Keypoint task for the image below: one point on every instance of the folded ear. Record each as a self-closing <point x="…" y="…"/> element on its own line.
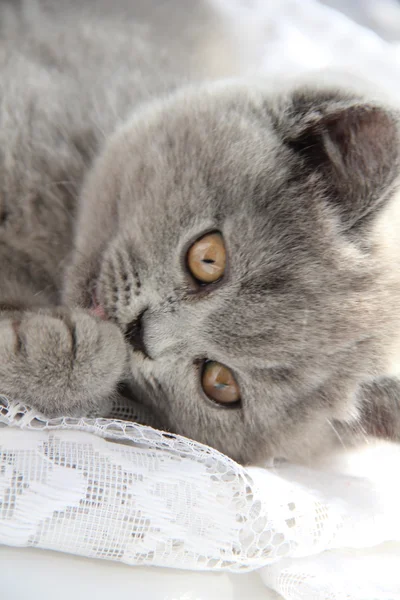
<point x="354" y="145"/>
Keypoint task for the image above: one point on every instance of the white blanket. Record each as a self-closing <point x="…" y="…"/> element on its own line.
<point x="119" y="491"/>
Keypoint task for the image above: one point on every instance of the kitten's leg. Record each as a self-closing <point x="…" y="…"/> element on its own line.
<point x="60" y="361"/>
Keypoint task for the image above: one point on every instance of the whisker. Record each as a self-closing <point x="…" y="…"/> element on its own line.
<point x="336" y="433"/>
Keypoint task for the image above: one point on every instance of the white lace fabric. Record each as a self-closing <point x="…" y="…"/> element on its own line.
<point x="120" y="491"/>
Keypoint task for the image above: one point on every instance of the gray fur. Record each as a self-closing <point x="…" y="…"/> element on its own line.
<point x="115" y="154"/>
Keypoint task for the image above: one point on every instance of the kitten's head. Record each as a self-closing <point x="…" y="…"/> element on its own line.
<point x="292" y="185"/>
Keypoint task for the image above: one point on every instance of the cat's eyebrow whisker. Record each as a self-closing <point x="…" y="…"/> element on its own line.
<point x="42" y="291"/>
<point x="331" y="425"/>
<point x="61" y="182"/>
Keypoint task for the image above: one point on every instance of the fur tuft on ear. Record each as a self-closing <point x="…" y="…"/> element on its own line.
<point x="353" y="144"/>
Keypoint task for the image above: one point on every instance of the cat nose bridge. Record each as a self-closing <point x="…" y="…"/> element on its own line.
<point x="167" y="332"/>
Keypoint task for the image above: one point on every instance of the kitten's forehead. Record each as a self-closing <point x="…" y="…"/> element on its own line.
<point x="204" y="151"/>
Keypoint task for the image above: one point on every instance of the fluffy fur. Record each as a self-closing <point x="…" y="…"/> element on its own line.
<point x="115" y="154"/>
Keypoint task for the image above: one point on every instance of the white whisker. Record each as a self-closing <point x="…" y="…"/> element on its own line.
<point x="336" y="433"/>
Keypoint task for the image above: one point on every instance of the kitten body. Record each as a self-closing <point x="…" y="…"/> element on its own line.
<point x="117" y="151"/>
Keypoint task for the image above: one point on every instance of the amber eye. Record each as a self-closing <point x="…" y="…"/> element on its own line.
<point x="219" y="383"/>
<point x="206" y="258"/>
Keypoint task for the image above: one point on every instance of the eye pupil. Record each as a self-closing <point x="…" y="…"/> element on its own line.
<point x="206" y="258"/>
<point x="219" y="384"/>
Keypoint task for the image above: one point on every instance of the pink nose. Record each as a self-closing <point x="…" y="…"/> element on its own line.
<point x="96" y="309"/>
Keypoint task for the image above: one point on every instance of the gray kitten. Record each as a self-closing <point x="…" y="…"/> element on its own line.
<point x="118" y="160"/>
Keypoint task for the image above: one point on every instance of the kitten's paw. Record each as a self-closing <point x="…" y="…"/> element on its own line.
<point x="61" y="363"/>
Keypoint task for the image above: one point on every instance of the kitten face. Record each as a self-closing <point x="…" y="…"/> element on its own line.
<point x="294" y="317"/>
